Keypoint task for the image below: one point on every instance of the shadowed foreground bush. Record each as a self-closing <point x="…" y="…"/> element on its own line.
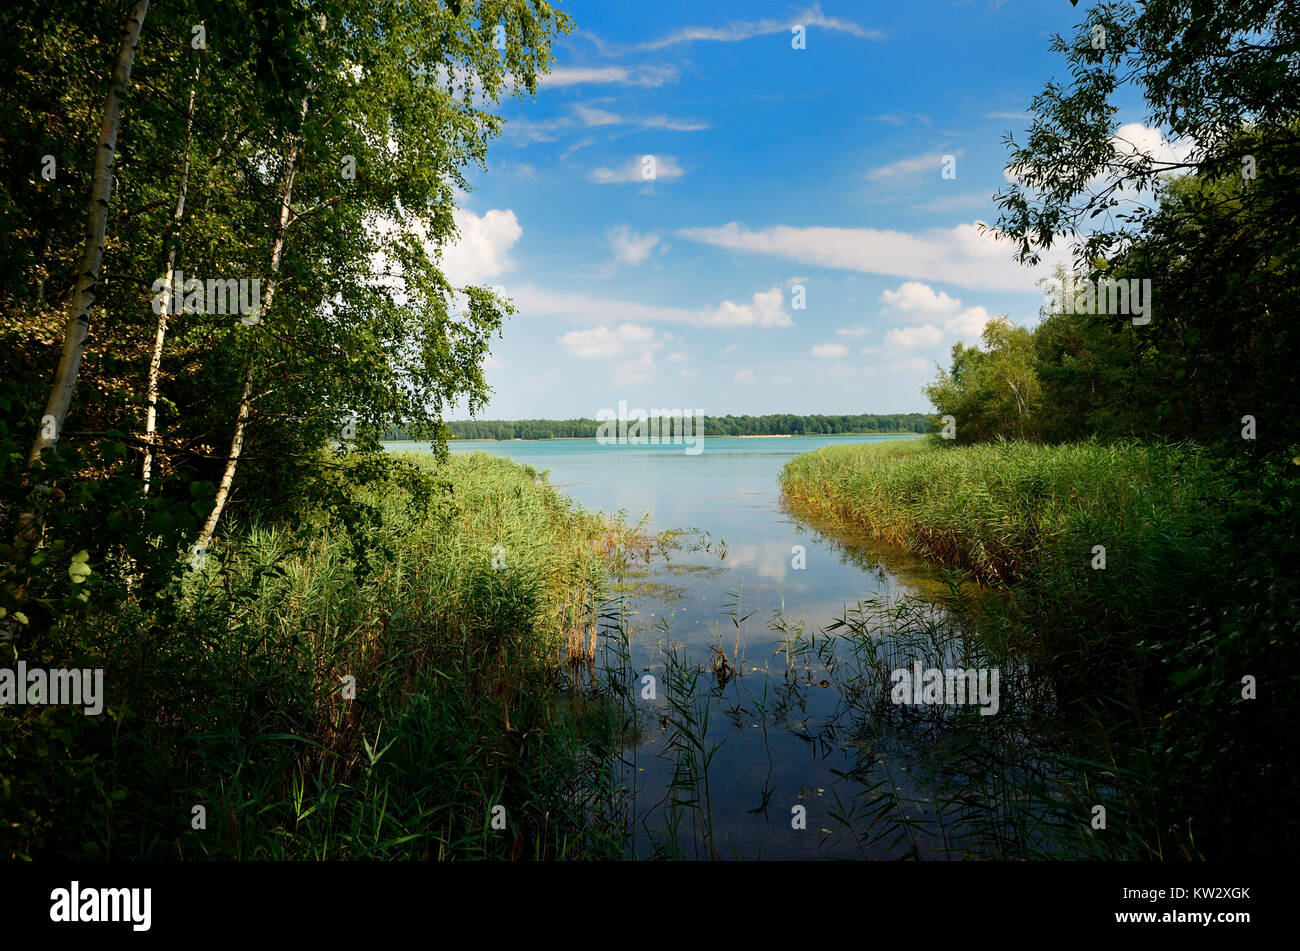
<point x="1146" y="657"/>
<point x="231" y="697"/>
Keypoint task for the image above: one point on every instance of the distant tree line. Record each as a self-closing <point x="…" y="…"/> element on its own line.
<point x="774" y="424"/>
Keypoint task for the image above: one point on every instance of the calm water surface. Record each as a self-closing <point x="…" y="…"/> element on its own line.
<point x="775" y="747"/>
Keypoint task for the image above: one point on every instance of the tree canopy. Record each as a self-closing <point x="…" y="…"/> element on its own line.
<point x="290" y="170"/>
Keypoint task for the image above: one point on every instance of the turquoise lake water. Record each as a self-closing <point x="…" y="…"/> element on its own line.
<point x="781" y="744"/>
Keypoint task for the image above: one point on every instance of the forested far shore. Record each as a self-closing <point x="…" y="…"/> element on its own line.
<point x="773" y="424"/>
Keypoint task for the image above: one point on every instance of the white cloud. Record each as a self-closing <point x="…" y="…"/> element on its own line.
<point x="645" y="76"/>
<point x="743" y="377"/>
<point x="480" y="249"/>
<point x="830" y="351"/>
<point x="739" y="30"/>
<point x="602" y="342"/>
<point x="665" y="168"/>
<point x="911" y="167"/>
<point x="630" y="247"/>
<point x="969" y="324"/>
<point x="853" y="331"/>
<point x="925" y="303"/>
<point x="964" y="202"/>
<point x="580" y="144"/>
<point x="640" y="369"/>
<point x="591" y="116"/>
<point x="1135" y="138"/>
<point x="915" y="297"/>
<point x="528" y="131"/>
<point x="903" y="118"/>
<point x="910" y="365"/>
<point x="766" y="309"/>
<point x="533" y="300"/>
<point x="587" y="116"/>
<point x="909" y="338"/>
<point x="963" y="255"/>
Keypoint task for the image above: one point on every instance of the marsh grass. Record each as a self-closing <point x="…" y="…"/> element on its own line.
<point x="461" y="625"/>
<point x="1027" y="519"/>
<point x="1085" y="652"/>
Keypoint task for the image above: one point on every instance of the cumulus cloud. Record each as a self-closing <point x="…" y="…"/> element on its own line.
<point x="602" y="342"/>
<point x="962" y="255"/>
<point x="969" y="324"/>
<point x="909" y="338"/>
<point x="943" y="316"/>
<point x="480" y="249"/>
<point x="853" y="331"/>
<point x="630" y="247"/>
<point x="1135" y="138"/>
<point x="743" y="377"/>
<point x="1130" y="140"/>
<point x="765" y="309"/>
<point x="915" y="297"/>
<point x="830" y="351"/>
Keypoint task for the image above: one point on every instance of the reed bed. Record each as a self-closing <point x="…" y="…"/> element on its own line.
<point x="1136" y="662"/>
<point x="396" y="689"/>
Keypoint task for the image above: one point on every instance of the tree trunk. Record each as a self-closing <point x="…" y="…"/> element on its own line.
<point x="155" y="361"/>
<point x="246" y="393"/>
<point x="74" y="337"/>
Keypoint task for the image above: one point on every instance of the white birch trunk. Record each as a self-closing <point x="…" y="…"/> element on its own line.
<point x="74" y="336"/>
<point x="160" y="337"/>
<point x="246" y="393"/>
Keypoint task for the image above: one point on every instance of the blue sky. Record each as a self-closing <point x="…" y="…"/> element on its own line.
<point x="775" y="168"/>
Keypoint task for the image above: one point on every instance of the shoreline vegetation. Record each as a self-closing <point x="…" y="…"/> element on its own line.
<point x="459" y="439"/>
<point x="1113" y="574"/>
<point x="775" y="424"/>
<point x="328" y="693"/>
<point x="316" y="648"/>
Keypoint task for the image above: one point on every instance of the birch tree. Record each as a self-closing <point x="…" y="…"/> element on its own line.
<point x="74" y="340"/>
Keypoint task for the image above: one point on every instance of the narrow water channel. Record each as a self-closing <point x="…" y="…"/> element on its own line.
<point x="748" y="575"/>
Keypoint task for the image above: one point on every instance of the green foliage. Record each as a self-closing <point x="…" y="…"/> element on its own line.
<point x="1146" y="656"/>
<point x="363" y="325"/>
<point x="1215" y="232"/>
<point x="776" y="424"/>
<point x="991" y="391"/>
<point x="232" y="700"/>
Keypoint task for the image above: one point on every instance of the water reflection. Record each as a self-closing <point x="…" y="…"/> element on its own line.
<point x="731" y="628"/>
